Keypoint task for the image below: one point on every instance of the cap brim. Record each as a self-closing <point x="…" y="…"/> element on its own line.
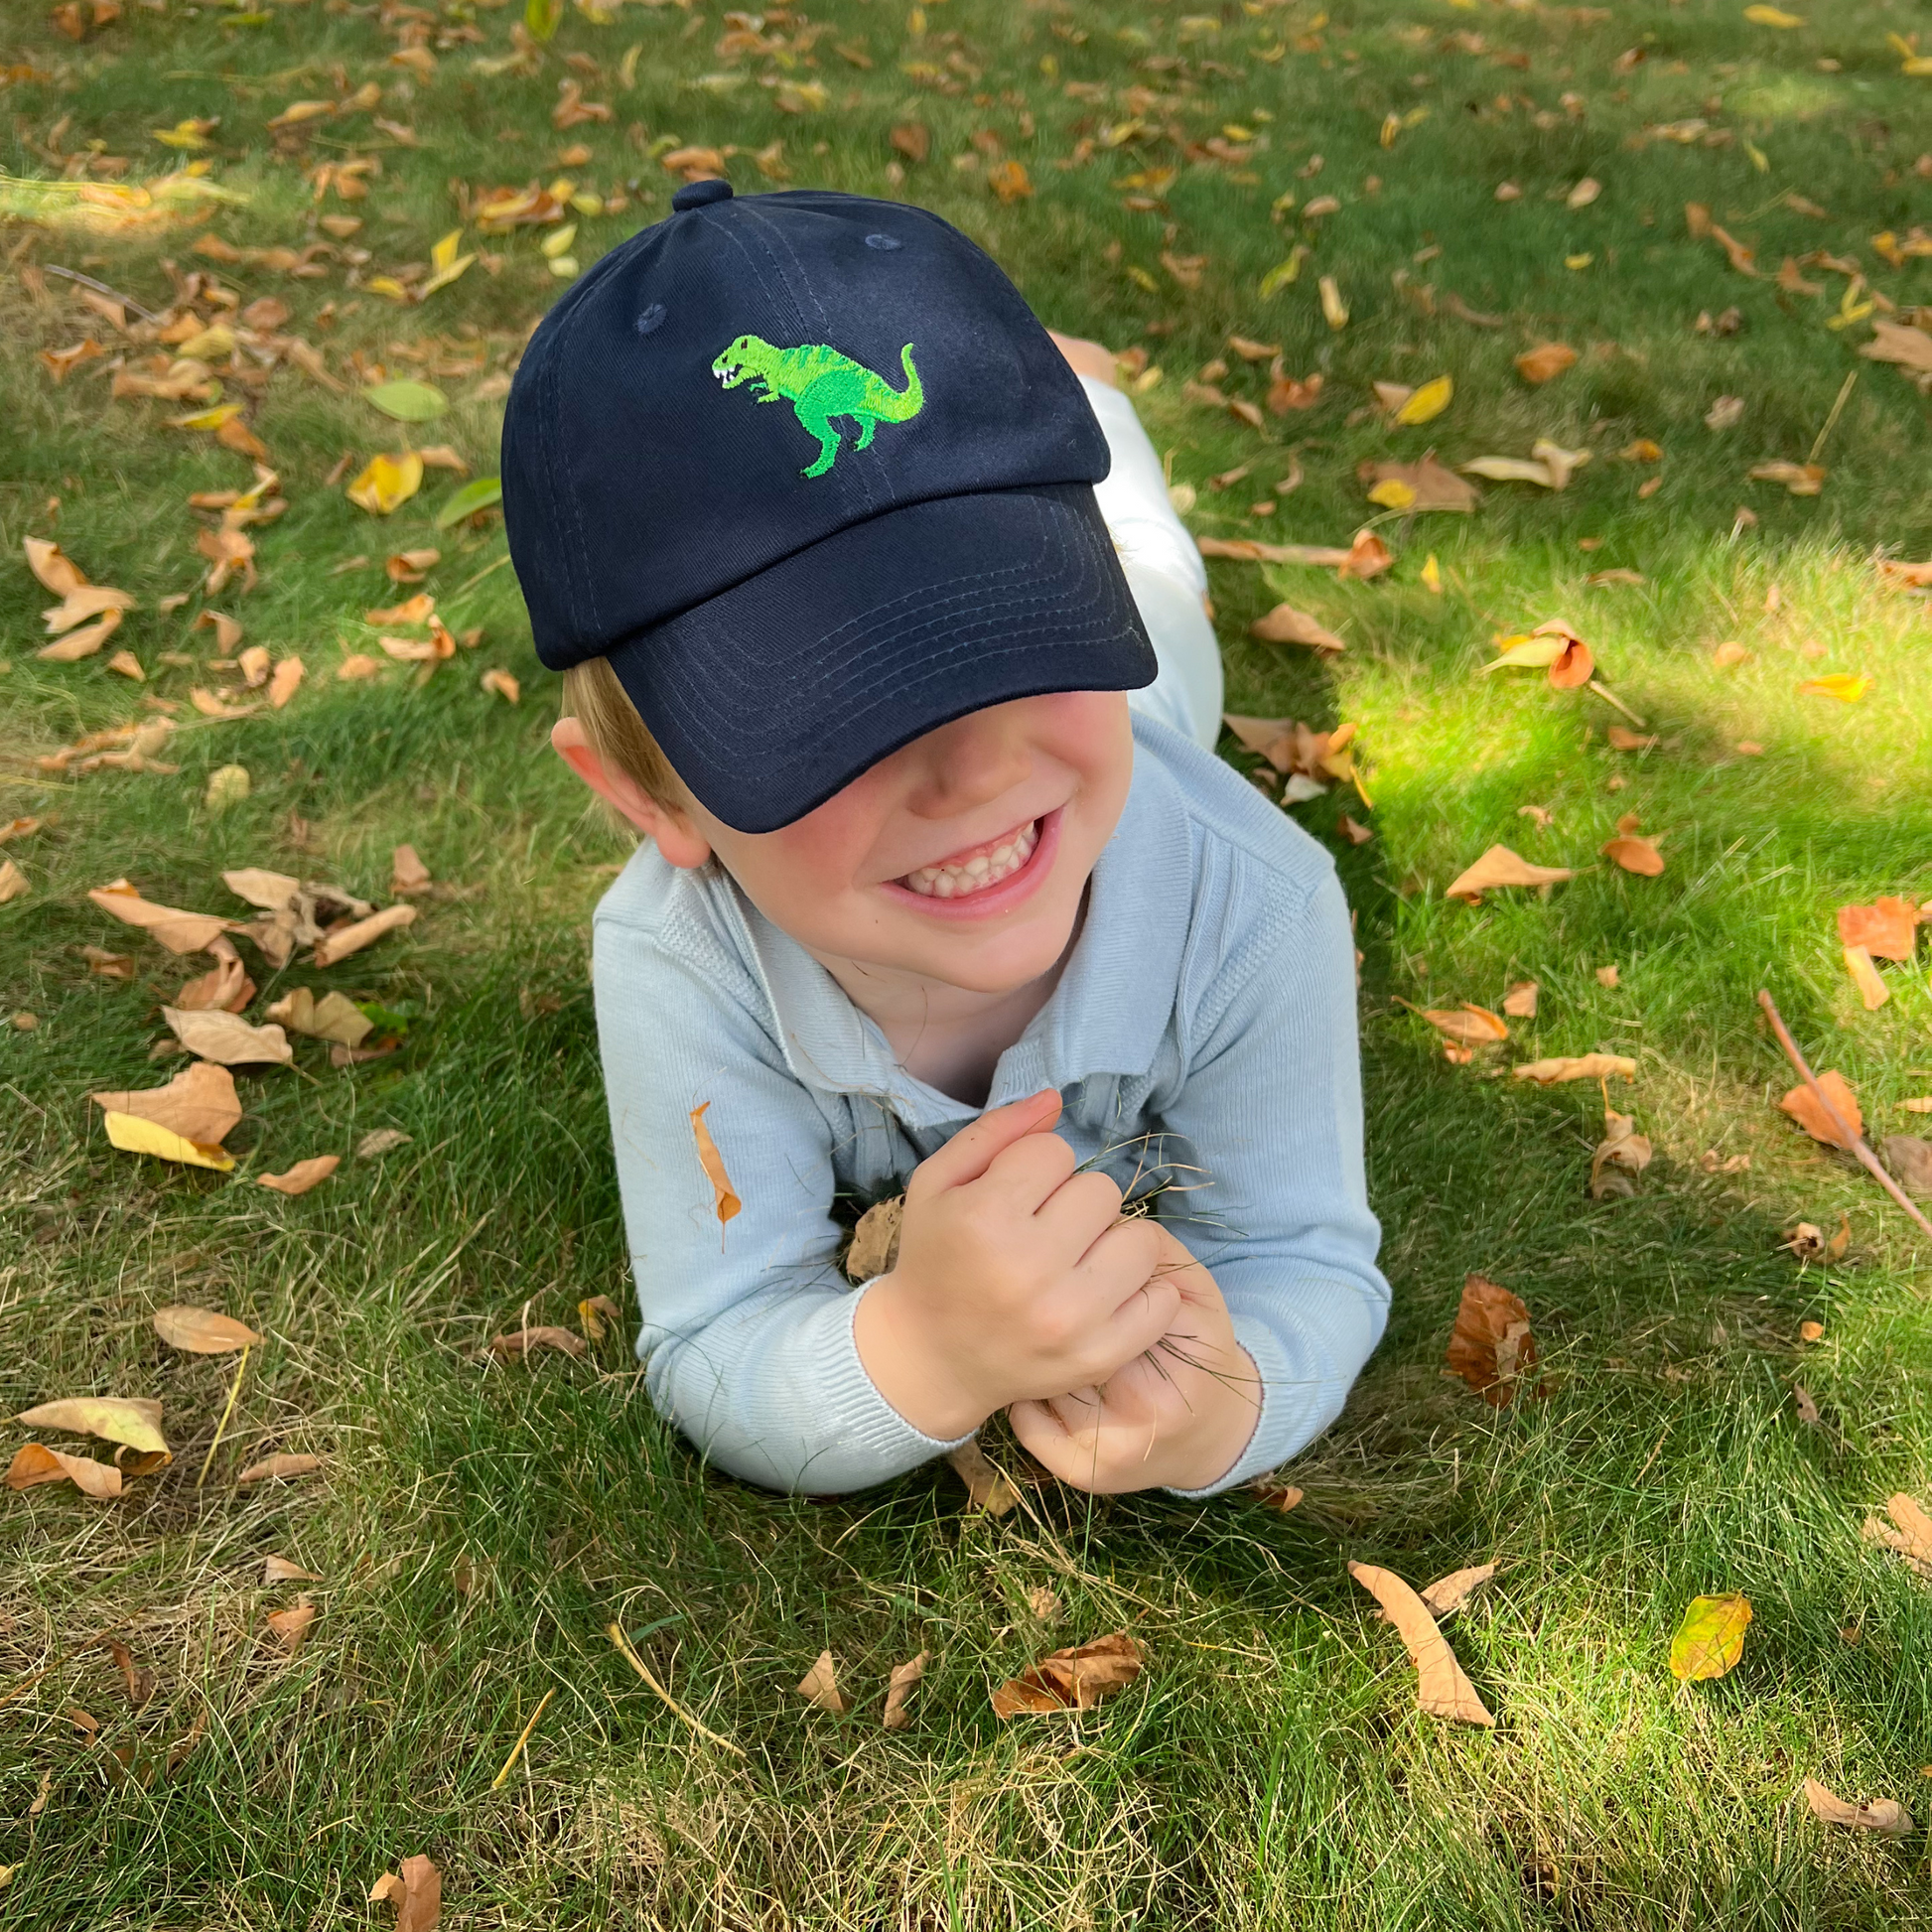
<point x="774" y="695"/>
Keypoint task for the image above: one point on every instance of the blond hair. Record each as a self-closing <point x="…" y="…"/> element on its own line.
<point x="619" y="738"/>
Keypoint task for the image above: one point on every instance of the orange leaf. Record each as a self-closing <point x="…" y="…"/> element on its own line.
<point x="1285" y="625"/>
<point x="1499" y="865"/>
<point x="1803" y="1106"/>
<point x="713" y="1163"/>
<point x="1491" y="1345"/>
<point x="303" y="1175"/>
<point x="1441" y="1689"/>
<point x="34" y="1463"/>
<point x="1545" y="361"/>
<point x="1887" y="927"/>
<point x="1076" y="1679"/>
<point x="1635" y="855"/>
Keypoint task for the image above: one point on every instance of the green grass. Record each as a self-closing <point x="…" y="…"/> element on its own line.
<point x="478" y="1526"/>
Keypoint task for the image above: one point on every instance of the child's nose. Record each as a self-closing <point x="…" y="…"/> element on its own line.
<point x="970" y="764"/>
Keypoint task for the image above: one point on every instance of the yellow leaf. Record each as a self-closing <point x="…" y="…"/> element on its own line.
<point x="132" y="1134"/>
<point x="387" y="285"/>
<point x="713" y="1163"/>
<point x="1283" y="273"/>
<point x="1333" y="307"/>
<point x="1432" y="575"/>
<point x="113" y="1419"/>
<point x="1772" y="17"/>
<point x="1840" y="685"/>
<point x="1428" y="403"/>
<point x="1393" y="494"/>
<point x="1710" y="1637"/>
<point x="388" y="483"/>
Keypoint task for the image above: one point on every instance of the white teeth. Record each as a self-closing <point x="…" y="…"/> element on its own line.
<point x="975" y="875"/>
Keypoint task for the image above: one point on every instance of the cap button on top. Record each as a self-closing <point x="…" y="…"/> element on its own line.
<point x="700" y="194"/>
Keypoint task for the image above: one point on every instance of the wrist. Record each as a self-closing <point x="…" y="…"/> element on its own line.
<point x="910" y="1367"/>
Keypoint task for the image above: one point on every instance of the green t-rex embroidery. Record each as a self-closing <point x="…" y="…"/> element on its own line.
<point x="821" y="384"/>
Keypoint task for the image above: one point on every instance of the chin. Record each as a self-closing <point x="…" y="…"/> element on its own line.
<point x="1000" y="962"/>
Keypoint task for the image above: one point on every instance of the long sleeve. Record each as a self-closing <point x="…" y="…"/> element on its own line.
<point x="748" y="1322"/>
<point x="1272" y="1108"/>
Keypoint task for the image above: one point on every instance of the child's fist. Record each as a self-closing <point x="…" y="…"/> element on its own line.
<point x="1177" y="1416"/>
<point x="1016" y="1279"/>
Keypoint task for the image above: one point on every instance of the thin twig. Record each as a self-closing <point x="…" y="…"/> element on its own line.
<point x="1851" y="1141"/>
<point x="100" y="288"/>
<point x="1831" y="422"/>
<point x="1608" y="696"/>
<point x="516" y="1749"/>
<point x="235" y="1389"/>
<point x="614" y="1631"/>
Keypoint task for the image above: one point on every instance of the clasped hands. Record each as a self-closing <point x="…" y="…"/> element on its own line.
<point x="1020" y="1285"/>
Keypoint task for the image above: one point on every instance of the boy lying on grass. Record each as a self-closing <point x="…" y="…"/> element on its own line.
<point x="851" y="576"/>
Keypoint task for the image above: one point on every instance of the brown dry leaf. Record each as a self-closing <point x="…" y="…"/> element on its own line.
<point x="521" y="1343"/>
<point x="384" y="1140"/>
<point x="1607" y="976"/>
<point x="986" y="1487"/>
<point x="1499" y="866"/>
<point x="598" y="1315"/>
<point x="200" y="1104"/>
<point x="1910" y="1160"/>
<point x="820" y="1686"/>
<point x="1886" y="928"/>
<point x="1442" y="1690"/>
<point x="1800" y="478"/>
<point x="1285" y="625"/>
<point x="339" y="941"/>
<point x="1276" y="1494"/>
<point x="34" y="1463"/>
<point x="1010" y="181"/>
<point x="1076" y="1679"/>
<point x="1545" y="363"/>
<point x="726" y="1201"/>
<point x="130" y="1421"/>
<point x="500" y="683"/>
<point x="333" y="1016"/>
<point x="57" y="571"/>
<point x="303" y="1175"/>
<point x="1622" y="1148"/>
<point x="418" y="1895"/>
<point x="1490" y="1346"/>
<point x="1468" y="1025"/>
<point x="291" y="1626"/>
<point x="1883" y="1815"/>
<point x="179" y="931"/>
<point x="80" y="643"/>
<point x="1803" y="1107"/>
<point x="13" y="882"/>
<point x="1449" y="1593"/>
<point x="20" y="828"/>
<point x="1621" y="737"/>
<point x="1873" y="990"/>
<point x="282" y="682"/>
<point x="899" y="1686"/>
<point x="875" y="1241"/>
<point x="1891" y="342"/>
<point x="1429" y="484"/>
<point x="1635" y="855"/>
<point x="407" y="872"/>
<point x="109" y="965"/>
<point x="201" y="1332"/>
<point x="280" y="1469"/>
<point x="1584" y="1066"/>
<point x="279" y="1570"/>
<point x="226" y="986"/>
<point x="1519" y="1003"/>
<point x="912" y="139"/>
<point x="226" y="1038"/>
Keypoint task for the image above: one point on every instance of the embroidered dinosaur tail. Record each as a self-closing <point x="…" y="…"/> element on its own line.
<point x="901" y="405"/>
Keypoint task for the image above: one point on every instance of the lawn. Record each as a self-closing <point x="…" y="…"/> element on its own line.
<point x="476" y="1522"/>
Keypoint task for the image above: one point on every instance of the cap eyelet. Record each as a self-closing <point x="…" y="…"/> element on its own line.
<point x="883" y="241"/>
<point x="652" y="318"/>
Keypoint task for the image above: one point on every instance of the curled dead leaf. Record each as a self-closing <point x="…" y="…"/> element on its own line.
<point x="1441" y="1688"/>
<point x="1449" y="1593"/>
<point x="1075" y="1679"/>
<point x="1499" y="866"/>
<point x="875" y="1241"/>
<point x="280" y="1469"/>
<point x="1285" y="625"/>
<point x="986" y="1486"/>
<point x="291" y="1626"/>
<point x="726" y="1201"/>
<point x="1490" y="1347"/>
<point x="1815" y="1116"/>
<point x="34" y="1463"/>
<point x="1634" y="853"/>
<point x="521" y="1343"/>
<point x="899" y="1686"/>
<point x="303" y="1175"/>
<point x="202" y="1332"/>
<point x="213" y="1034"/>
<point x="200" y="1104"/>
<point x="1624" y="1149"/>
<point x="1887" y="927"/>
<point x="1883" y="1815"/>
<point x="1583" y="1067"/>
<point x="820" y="1686"/>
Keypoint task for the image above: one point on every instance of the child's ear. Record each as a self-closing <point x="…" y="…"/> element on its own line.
<point x="681" y="843"/>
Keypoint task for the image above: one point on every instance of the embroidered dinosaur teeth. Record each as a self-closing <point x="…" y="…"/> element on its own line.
<point x="985" y="866"/>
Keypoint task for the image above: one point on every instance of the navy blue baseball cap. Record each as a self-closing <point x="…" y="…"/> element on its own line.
<point x="809" y="473"/>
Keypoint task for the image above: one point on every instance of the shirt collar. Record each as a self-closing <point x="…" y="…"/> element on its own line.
<point x="1107" y="1016"/>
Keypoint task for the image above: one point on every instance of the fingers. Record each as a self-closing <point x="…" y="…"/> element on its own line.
<point x="1080" y="1207"/>
<point x="1030" y="1171"/>
<point x="970" y="1152"/>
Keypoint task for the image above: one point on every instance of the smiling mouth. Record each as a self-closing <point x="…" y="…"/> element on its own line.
<point x="978" y="869"/>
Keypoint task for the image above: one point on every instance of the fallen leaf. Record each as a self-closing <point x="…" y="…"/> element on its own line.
<point x="1545" y="363"/>
<point x="1806" y="1405"/>
<point x="386" y="484"/>
<point x="1710" y="1637"/>
<point x="1450" y="1593"/>
<point x="1891" y="342"/>
<point x="1810" y="1331"/>
<point x="303" y="1175"/>
<point x="1519" y="1003"/>
<point x="1424" y="404"/>
<point x="1441" y="1689"/>
<point x="1886" y="928"/>
<point x="1426" y="486"/>
<point x="179" y="931"/>
<point x="726" y="1202"/>
<point x="1622" y="1148"/>
<point x="228" y="786"/>
<point x="875" y="1241"/>
<point x="1840" y="685"/>
<point x="1873" y="990"/>
<point x="1285" y="625"/>
<point x="501" y="684"/>
<point x="133" y="1134"/>
<point x="279" y="1570"/>
<point x="406" y="401"/>
<point x="134" y="1422"/>
<point x="13" y="882"/>
<point x="282" y="682"/>
<point x="1800" y="478"/>
<point x="820" y="1686"/>
<point x="57" y="571"/>
<point x="1802" y="1104"/>
<point x="986" y="1487"/>
<point x="1076" y="1679"/>
<point x="1490" y="1346"/>
<point x="1584" y="1066"/>
<point x="224" y="986"/>
<point x="419" y="1904"/>
<point x="226" y="1038"/>
<point x="1622" y="739"/>
<point x="80" y="643"/>
<point x="1910" y="1160"/>
<point x="1277" y="1495"/>
<point x="1766" y="16"/>
<point x="523" y="1342"/>
<point x="1726" y="413"/>
<point x="1607" y="976"/>
<point x="598" y="1315"/>
<point x="291" y="1626"/>
<point x="280" y="1469"/>
<point x="339" y="941"/>
<point x="109" y="965"/>
<point x="34" y="1463"/>
<point x="384" y="1140"/>
<point x="1635" y="855"/>
<point x="202" y="1332"/>
<point x="899" y="1686"/>
<point x="200" y="1104"/>
<point x="1883" y="1815"/>
<point x="333" y="1016"/>
<point x="1334" y="311"/>
<point x="1469" y="1026"/>
<point x="1499" y="866"/>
